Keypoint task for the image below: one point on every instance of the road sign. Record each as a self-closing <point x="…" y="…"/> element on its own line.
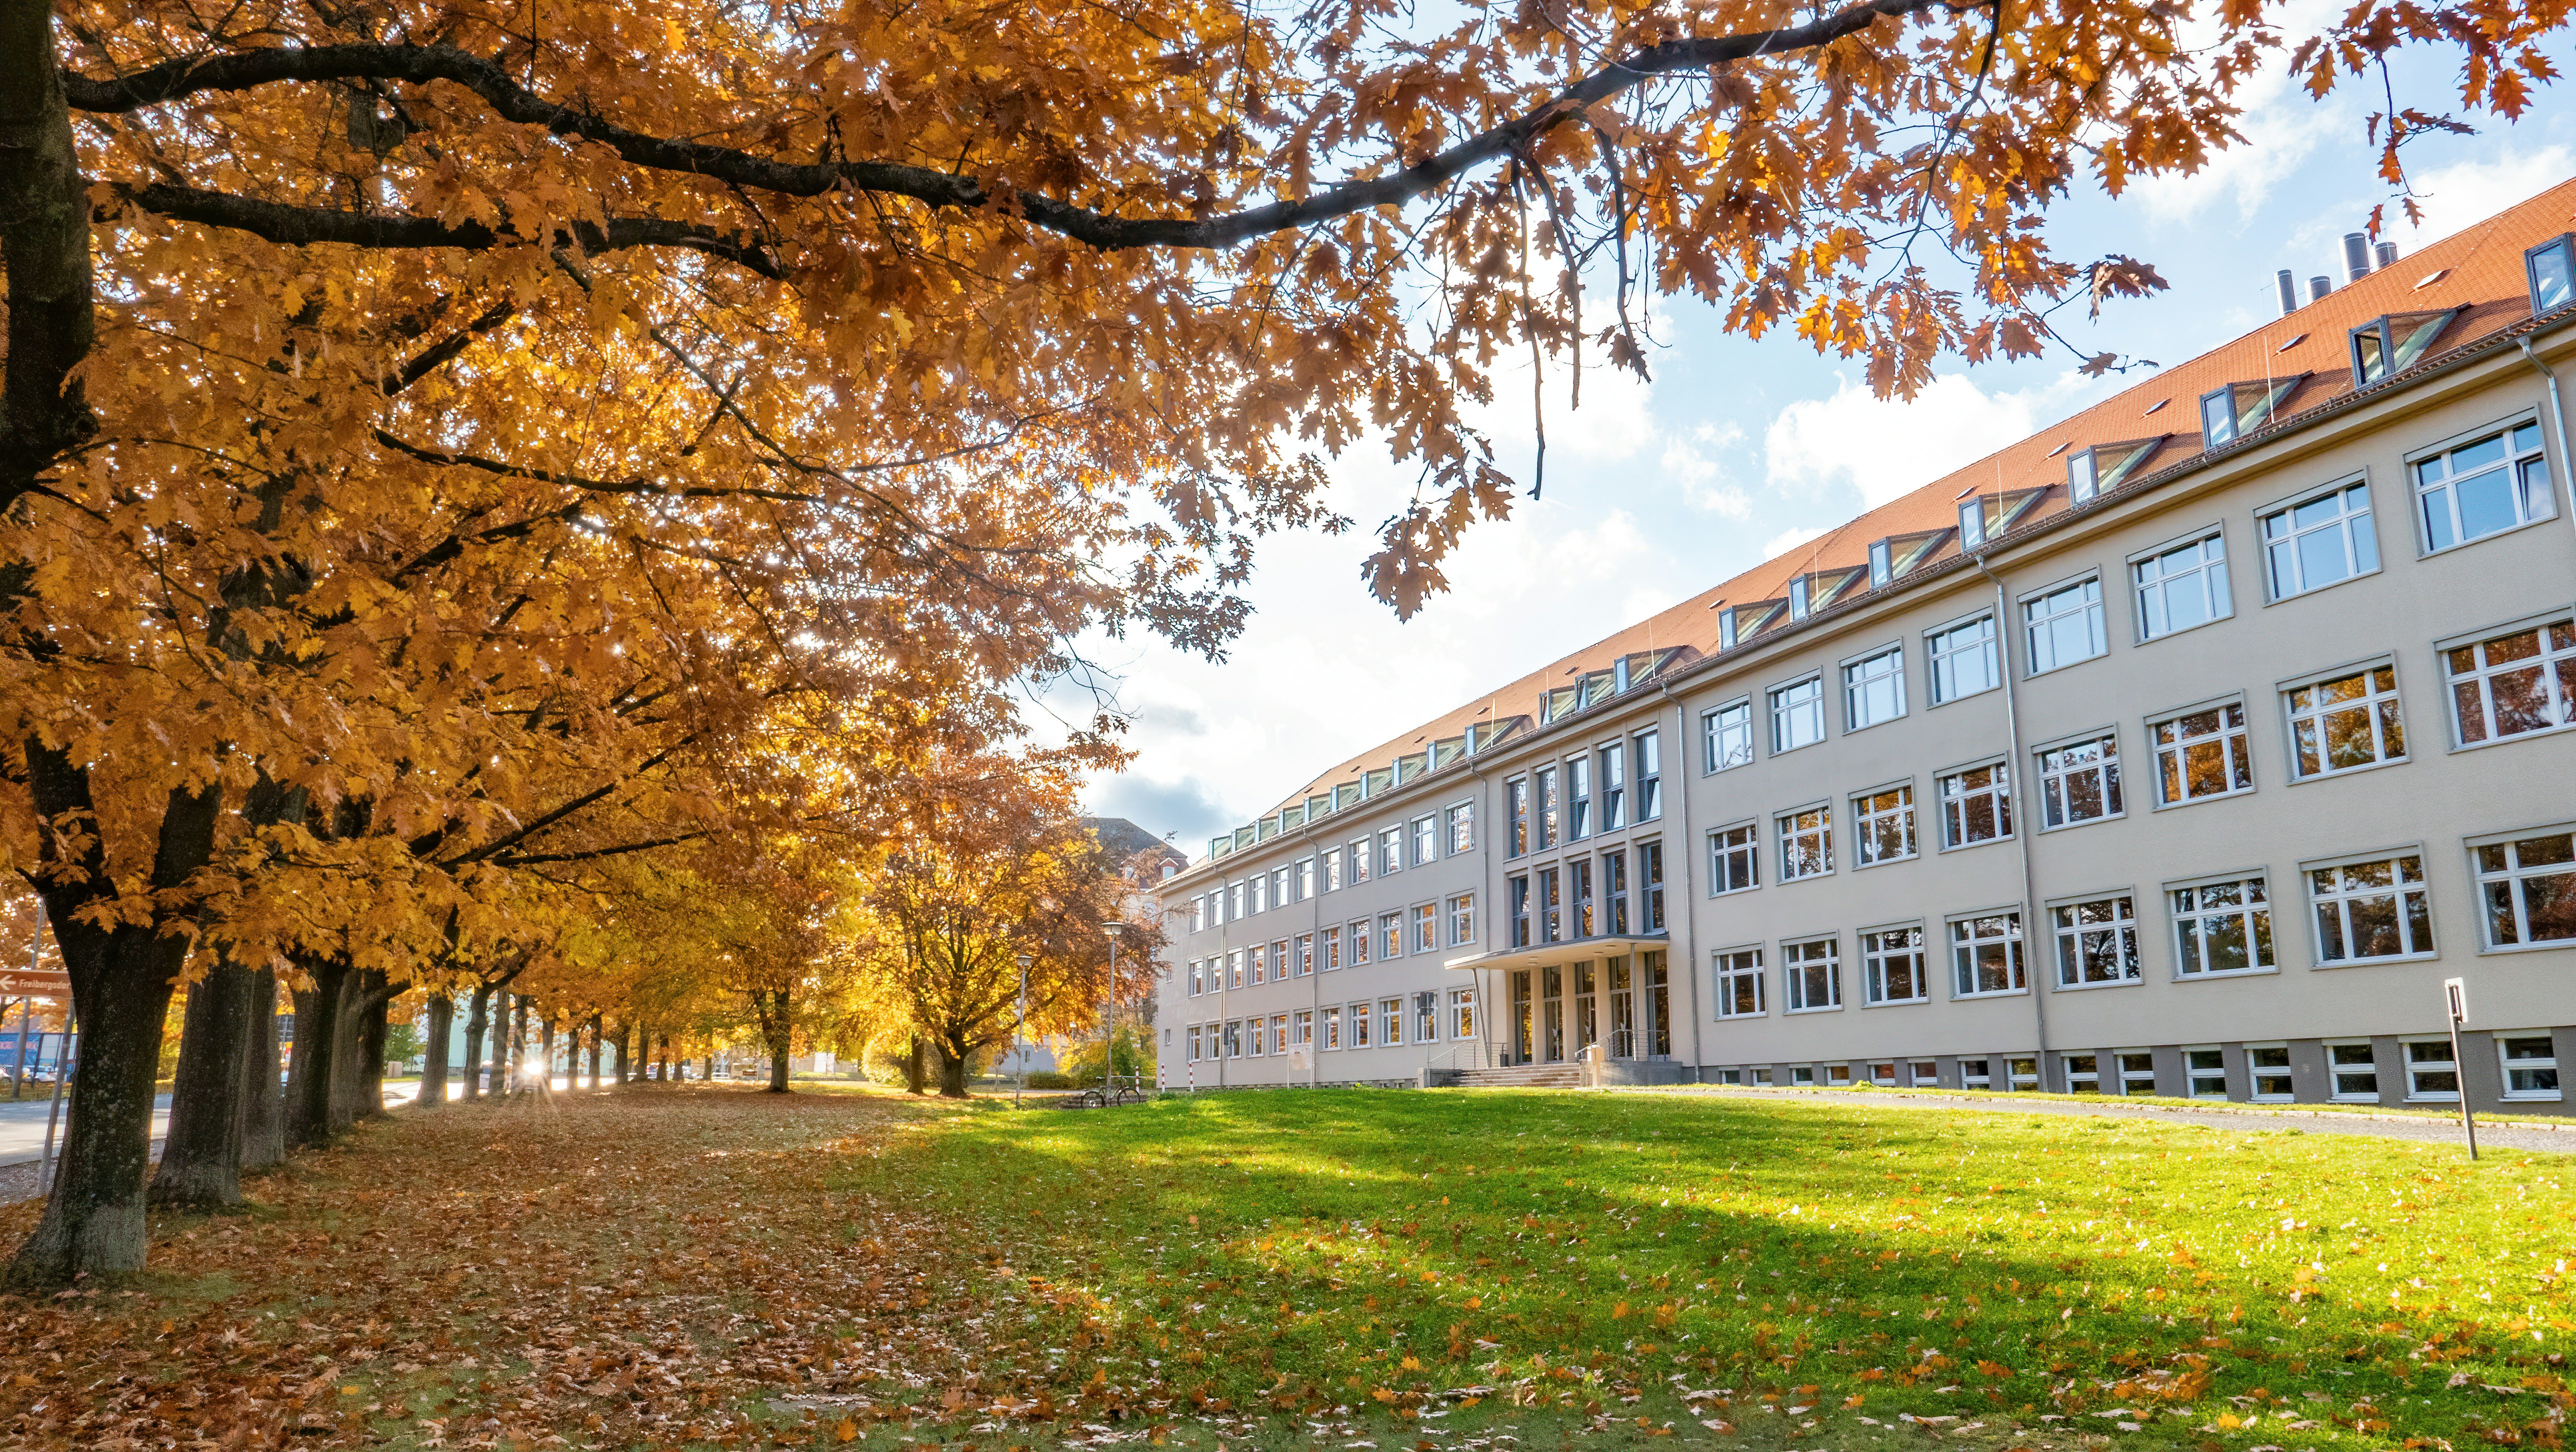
<point x="2455" y="996"/>
<point x="36" y="985"/>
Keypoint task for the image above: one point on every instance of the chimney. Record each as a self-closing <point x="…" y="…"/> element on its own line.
<point x="2387" y="254"/>
<point x="2319" y="286"/>
<point x="2289" y="291"/>
<point x="2356" y="256"/>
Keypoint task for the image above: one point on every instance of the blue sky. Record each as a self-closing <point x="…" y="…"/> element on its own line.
<point x="1735" y="453"/>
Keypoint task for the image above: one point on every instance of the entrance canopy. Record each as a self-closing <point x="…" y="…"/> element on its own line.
<point x="1570" y="951"/>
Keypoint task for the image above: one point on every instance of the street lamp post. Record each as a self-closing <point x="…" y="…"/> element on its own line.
<point x="1109" y="1018"/>
<point x="1019" y="1035"/>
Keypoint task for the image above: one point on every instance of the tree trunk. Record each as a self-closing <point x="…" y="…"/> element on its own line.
<point x="319" y="1017"/>
<point x="617" y="1060"/>
<point x="663" y="1074"/>
<point x="477" y="1019"/>
<point x="374" y="1008"/>
<point x="518" y="1075"/>
<point x="952" y="1074"/>
<point x="263" y="1101"/>
<point x="912" y="1076"/>
<point x="545" y="1056"/>
<point x="594" y="1051"/>
<point x="201" y="1158"/>
<point x="433" y="1063"/>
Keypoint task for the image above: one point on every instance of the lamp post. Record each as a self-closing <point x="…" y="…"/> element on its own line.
<point x="1019" y="1035"/>
<point x="1109" y="1017"/>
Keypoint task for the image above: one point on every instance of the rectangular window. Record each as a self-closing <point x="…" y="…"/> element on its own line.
<point x="1614" y="787"/>
<point x="1331" y="860"/>
<point x="2080" y="782"/>
<point x="1813" y="975"/>
<point x="1883" y="1075"/>
<point x="1390" y="1021"/>
<point x="1198" y="969"/>
<point x="1985" y="955"/>
<point x="2528" y="888"/>
<point x="1301" y="1029"/>
<point x="2083" y="1073"/>
<point x="1462" y="828"/>
<point x="1234" y="902"/>
<point x="2268" y="1065"/>
<point x="1194" y="1043"/>
<point x="1426" y="840"/>
<point x="1279" y="960"/>
<point x="2205" y="1072"/>
<point x="2023" y="1075"/>
<point x="2431" y="1073"/>
<point x="1279" y="887"/>
<point x="1551" y="904"/>
<point x="2320" y="541"/>
<point x="1976" y="805"/>
<point x="2371" y="911"/>
<point x="1426" y="927"/>
<point x="1252" y="1036"/>
<point x="1883" y="825"/>
<point x="1891" y="963"/>
<point x="1390" y="936"/>
<point x="1234" y="1038"/>
<point x="1578" y="898"/>
<point x="1462" y="919"/>
<point x="2097" y="941"/>
<point x="1390" y="851"/>
<point x="2483" y="488"/>
<point x="1358" y="937"/>
<point x="1578" y="798"/>
<point x="1516" y="817"/>
<point x="1278" y="1033"/>
<point x="2222" y="927"/>
<point x="1734" y="859"/>
<point x="1797" y="714"/>
<point x="1926" y="1073"/>
<point x="1614" y="893"/>
<point x="2345" y="723"/>
<point x="1726" y="736"/>
<point x="1426" y="1017"/>
<point x="1328" y="948"/>
<point x="1874" y="689"/>
<point x="1305" y="954"/>
<point x="1648" y="749"/>
<point x="1462" y="1013"/>
<point x="1516" y="896"/>
<point x="2184" y="586"/>
<point x="1359" y="856"/>
<point x="1549" y="809"/>
<point x="1739" y="983"/>
<point x="1234" y="968"/>
<point x="1976" y="1073"/>
<point x="2352" y="1072"/>
<point x="2530" y="1063"/>
<point x="2064" y="625"/>
<point x="1806" y="843"/>
<point x="1301" y="880"/>
<point x="1356" y="1020"/>
<point x="1650" y="887"/>
<point x="2202" y="755"/>
<point x="1963" y="659"/>
<point x="2137" y="1071"/>
<point x="2514" y="684"/>
<point x="1332" y="1028"/>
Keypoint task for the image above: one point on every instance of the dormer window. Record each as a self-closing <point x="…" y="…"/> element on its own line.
<point x="1739" y="623"/>
<point x="2241" y="408"/>
<point x="1882" y="564"/>
<point x="1982" y="518"/>
<point x="2104" y="467"/>
<point x="1972" y="523"/>
<point x="2551" y="267"/>
<point x="2386" y="345"/>
<point x="1798" y="598"/>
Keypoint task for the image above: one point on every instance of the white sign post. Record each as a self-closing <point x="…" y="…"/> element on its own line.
<point x="2455" y="1004"/>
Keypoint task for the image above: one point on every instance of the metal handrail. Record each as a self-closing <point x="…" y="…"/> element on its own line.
<point x="1476" y="1053"/>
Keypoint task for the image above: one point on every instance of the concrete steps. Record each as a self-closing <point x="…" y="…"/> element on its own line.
<point x="1522" y="1076"/>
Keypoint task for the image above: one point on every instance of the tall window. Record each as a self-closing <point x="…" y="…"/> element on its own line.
<point x="1390" y="936"/>
<point x="1425" y="920"/>
<point x="1462" y="828"/>
<point x="1551" y="905"/>
<point x="1462" y="919"/>
<point x="1963" y="659"/>
<point x="1426" y="1017"/>
<point x="1332" y="1028"/>
<point x="1390" y="851"/>
<point x="1797" y="714"/>
<point x="1806" y="843"/>
<point x="1301" y="1029"/>
<point x="2065" y="625"/>
<point x="1301" y="882"/>
<point x="2514" y="684"/>
<point x="1726" y="736"/>
<point x="2222" y="927"/>
<point x="2346" y="722"/>
<point x="1390" y="1021"/>
<point x="1305" y="954"/>
<point x="1813" y="975"/>
<point x="1739" y="983"/>
<point x="1360" y="853"/>
<point x="2080" y="782"/>
<point x="1891" y="962"/>
<point x="1578" y="798"/>
<point x="2183" y="587"/>
<point x="1648" y="748"/>
<point x="2528" y="889"/>
<point x="2097" y="941"/>
<point x="1194" y="1043"/>
<point x="1976" y="805"/>
<point x="1358" y="935"/>
<point x="1356" y="1017"/>
<point x="1614" y="787"/>
<point x="1328" y="948"/>
<point x="1614" y="893"/>
<point x="1516" y="817"/>
<point x="1883" y="825"/>
<point x="1426" y="840"/>
<point x="2484" y="488"/>
<point x="1462" y="1013"/>
<point x="1516" y="896"/>
<point x="2320" y="541"/>
<point x="1279" y="887"/>
<point x="1734" y="859"/>
<point x="1874" y="689"/>
<point x="1544" y="782"/>
<point x="2202" y="755"/>
<point x="1985" y="955"/>
<point x="1198" y="970"/>
<point x="2371" y="910"/>
<point x="1650" y="886"/>
<point x="1578" y="897"/>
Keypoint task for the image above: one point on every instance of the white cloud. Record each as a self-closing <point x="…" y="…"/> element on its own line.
<point x="1780" y="544"/>
<point x="2282" y="126"/>
<point x="1885" y="448"/>
<point x="1689" y="460"/>
<point x="2469" y="192"/>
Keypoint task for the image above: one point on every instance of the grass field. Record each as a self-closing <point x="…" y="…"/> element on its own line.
<point x="1524" y="1269"/>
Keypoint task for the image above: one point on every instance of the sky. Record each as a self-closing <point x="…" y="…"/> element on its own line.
<point x="1736" y="452"/>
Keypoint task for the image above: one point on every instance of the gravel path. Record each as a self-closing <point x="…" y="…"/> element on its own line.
<point x="2541" y="1138"/>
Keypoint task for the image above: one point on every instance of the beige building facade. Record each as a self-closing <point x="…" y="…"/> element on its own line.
<point x="2188" y="747"/>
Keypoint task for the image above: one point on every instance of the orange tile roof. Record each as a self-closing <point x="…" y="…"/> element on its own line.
<point x="2479" y="270"/>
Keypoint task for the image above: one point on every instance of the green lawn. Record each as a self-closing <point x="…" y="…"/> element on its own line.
<point x="1522" y="1269"/>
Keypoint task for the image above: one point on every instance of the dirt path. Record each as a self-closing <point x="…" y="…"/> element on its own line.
<point x="628" y="1268"/>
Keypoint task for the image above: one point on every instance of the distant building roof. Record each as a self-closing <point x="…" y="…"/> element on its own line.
<point x="1125" y="841"/>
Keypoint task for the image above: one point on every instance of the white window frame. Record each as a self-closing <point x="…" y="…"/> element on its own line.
<point x="1388" y="848"/>
<point x="1874" y="953"/>
<point x="2258" y="1073"/>
<point x="2087" y="605"/>
<point x="2235" y="744"/>
<point x="1462" y="1013"/>
<point x="1194" y="1042"/>
<point x="2410" y="1064"/>
<point x="1422" y="840"/>
<point x="2015" y="945"/>
<point x="2507" y="1065"/>
<point x="1729" y="967"/>
<point x="1390" y="935"/>
<point x="1935" y="657"/>
<point x="1458" y="821"/>
<point x="1796" y="963"/>
<point x="1610" y="782"/>
<point x="1328" y="948"/>
<point x="1577" y="774"/>
<point x="2343" y="522"/>
<point x="1301" y="1029"/>
<point x="1461" y="909"/>
<point x="2381" y="706"/>
<point x="1302" y="955"/>
<point x="2504" y="851"/>
<point x="1331" y="1014"/>
<point x="1782" y="712"/>
<point x="2517" y="460"/>
<point x="1390" y="1022"/>
<point x="2000" y="790"/>
<point x="2215" y="590"/>
<point x="1862" y="820"/>
<point x="1789" y="832"/>
<point x="1717" y="753"/>
<point x="1983" y="1078"/>
<point x="2054" y="782"/>
<point x="2073" y="940"/>
<point x="2086" y="1080"/>
<point x="1422" y="927"/>
<point x="2337" y="1069"/>
<point x="1329" y="876"/>
<point x="1750" y="849"/>
<point x="1358" y="1021"/>
<point x="2133" y="1082"/>
<point x="2195" y="1074"/>
<point x="2184" y="924"/>
<point x="2557" y="638"/>
<point x="1358" y="942"/>
<point x="1861" y="677"/>
<point x="2398" y="888"/>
